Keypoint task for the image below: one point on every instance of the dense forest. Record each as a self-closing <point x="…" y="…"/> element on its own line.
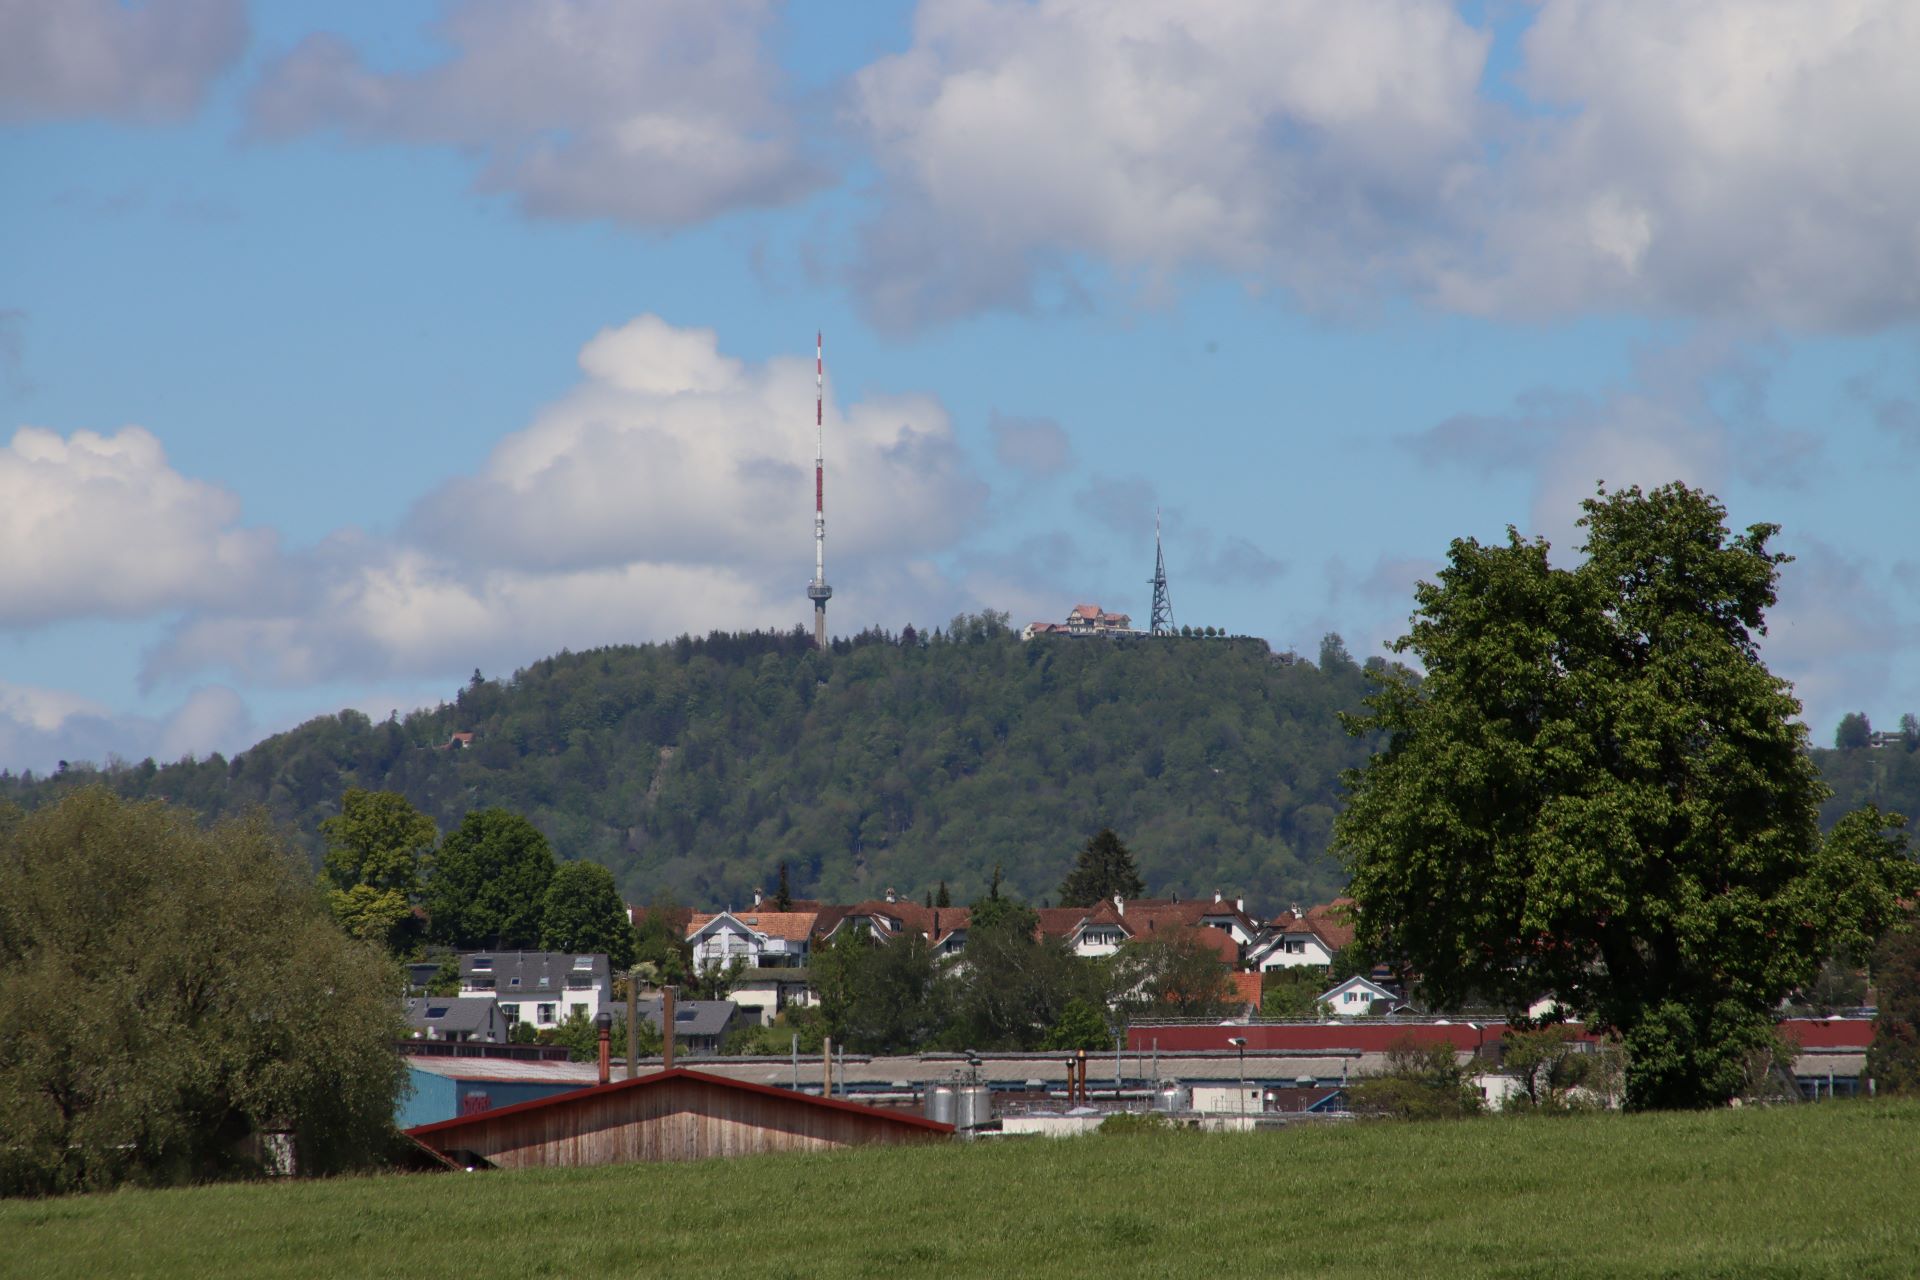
<point x="695" y="768"/>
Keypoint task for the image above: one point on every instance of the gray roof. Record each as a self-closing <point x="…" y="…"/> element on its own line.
<point x="692" y="1017"/>
<point x="538" y="972"/>
<point x="773" y="976"/>
<point x="449" y="1013"/>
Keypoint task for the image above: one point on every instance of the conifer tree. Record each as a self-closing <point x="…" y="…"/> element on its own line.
<point x="1104" y="868"/>
<point x="783" y="895"/>
<point x="941" y="897"/>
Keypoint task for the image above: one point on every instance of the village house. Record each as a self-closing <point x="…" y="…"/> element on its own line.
<point x="762" y="939"/>
<point x="462" y="1019"/>
<point x="540" y="988"/>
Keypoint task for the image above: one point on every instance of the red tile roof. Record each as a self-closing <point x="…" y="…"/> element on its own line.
<point x="793" y="926"/>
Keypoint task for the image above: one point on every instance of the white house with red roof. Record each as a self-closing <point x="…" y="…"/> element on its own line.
<point x="1084" y="620"/>
<point x="761" y="939"/>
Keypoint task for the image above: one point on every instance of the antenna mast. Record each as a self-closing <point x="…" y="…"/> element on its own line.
<point x="1162" y="623"/>
<point x="818" y="591"/>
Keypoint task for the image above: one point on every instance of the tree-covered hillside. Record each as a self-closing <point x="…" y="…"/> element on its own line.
<point x="697" y="767"/>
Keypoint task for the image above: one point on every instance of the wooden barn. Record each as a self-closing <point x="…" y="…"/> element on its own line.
<point x="670" y="1115"/>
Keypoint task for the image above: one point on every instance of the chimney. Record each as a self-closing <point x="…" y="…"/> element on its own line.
<point x="1216" y="897"/>
<point x="756" y="899"/>
<point x="1296" y="911"/>
<point x="666" y="1028"/>
<point x="604" y="1021"/>
<point x="1240" y="905"/>
<point x="890" y="894"/>
<point x="1119" y="904"/>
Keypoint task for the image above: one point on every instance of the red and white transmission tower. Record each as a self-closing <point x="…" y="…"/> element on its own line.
<point x="818" y="591"/>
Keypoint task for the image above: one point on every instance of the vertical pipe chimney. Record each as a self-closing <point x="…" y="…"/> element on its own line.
<point x="633" y="1024"/>
<point x="826" y="1067"/>
<point x="604" y="1021"/>
<point x="666" y="1028"/>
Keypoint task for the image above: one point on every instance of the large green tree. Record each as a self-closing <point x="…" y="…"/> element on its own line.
<point x="169" y="989"/>
<point x="490" y="882"/>
<point x="1599" y="791"/>
<point x="1104" y="868"/>
<point x="377" y="849"/>
<point x="583" y="912"/>
<point x="1893" y="1060"/>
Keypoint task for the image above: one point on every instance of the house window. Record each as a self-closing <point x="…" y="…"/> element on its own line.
<point x="510" y="1014"/>
<point x="513" y="982"/>
<point x="483" y="962"/>
<point x="545" y="1014"/>
<point x="576" y="1008"/>
<point x="583" y="962"/>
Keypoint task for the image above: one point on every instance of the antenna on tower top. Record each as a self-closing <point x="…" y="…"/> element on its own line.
<point x="1162" y="623"/>
<point x="818" y="591"/>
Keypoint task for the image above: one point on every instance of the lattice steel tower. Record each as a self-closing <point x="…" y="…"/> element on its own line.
<point x="1162" y="623"/>
<point x="818" y="591"/>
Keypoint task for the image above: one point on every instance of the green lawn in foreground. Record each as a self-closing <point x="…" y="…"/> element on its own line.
<point x="1830" y="1189"/>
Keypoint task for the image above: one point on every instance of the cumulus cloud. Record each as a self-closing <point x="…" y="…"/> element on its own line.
<point x="1037" y="446"/>
<point x="101" y="526"/>
<point x="656" y="114"/>
<point x="149" y="61"/>
<point x="40" y="727"/>
<point x="1713" y="158"/>
<point x="668" y="492"/>
<point x="1270" y="137"/>
<point x="1718" y="157"/>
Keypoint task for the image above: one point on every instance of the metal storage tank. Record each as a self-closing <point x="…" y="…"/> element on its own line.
<point x="1173" y="1097"/>
<point x="940" y="1103"/>
<point x="974" y="1106"/>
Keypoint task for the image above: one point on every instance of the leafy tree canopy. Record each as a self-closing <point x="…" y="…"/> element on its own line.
<point x="1599" y="791"/>
<point x="1104" y="869"/>
<point x="490" y="882"/>
<point x="168" y="989"/>
<point x="1893" y="1060"/>
<point x="1855" y="731"/>
<point x="377" y="847"/>
<point x="583" y="912"/>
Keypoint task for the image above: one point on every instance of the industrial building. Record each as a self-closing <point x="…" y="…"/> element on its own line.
<point x="669" y="1115"/>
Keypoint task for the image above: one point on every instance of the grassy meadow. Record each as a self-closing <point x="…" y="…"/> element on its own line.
<point x="1832" y="1189"/>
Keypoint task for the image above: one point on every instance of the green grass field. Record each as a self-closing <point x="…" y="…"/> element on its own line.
<point x="1832" y="1189"/>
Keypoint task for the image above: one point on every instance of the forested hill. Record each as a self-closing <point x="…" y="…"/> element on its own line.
<point x="699" y="766"/>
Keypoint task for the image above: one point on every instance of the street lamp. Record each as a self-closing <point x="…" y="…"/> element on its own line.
<point x="1240" y="1043"/>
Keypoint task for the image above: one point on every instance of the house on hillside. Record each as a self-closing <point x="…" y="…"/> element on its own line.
<point x="890" y="917"/>
<point x="1356" y="997"/>
<point x="762" y="939"/>
<point x="1083" y="620"/>
<point x="698" y="1025"/>
<point x="1298" y="939"/>
<point x="761" y="994"/>
<point x="462" y="1019"/>
<point x="1102" y="929"/>
<point x="542" y="988"/>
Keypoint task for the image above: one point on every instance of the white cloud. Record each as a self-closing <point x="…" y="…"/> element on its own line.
<point x="672" y="453"/>
<point x="149" y="61"/>
<point x="1284" y="139"/>
<point x="101" y="526"/>
<point x="656" y="114"/>
<point x="41" y="727"/>
<point x="1718" y="157"/>
<point x="668" y="492"/>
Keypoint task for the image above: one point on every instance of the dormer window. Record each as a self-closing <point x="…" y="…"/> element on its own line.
<point x="543" y="981"/>
<point x="583" y="962"/>
<point x="483" y="962"/>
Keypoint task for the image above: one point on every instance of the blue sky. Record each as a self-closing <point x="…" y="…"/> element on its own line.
<point x="346" y="349"/>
